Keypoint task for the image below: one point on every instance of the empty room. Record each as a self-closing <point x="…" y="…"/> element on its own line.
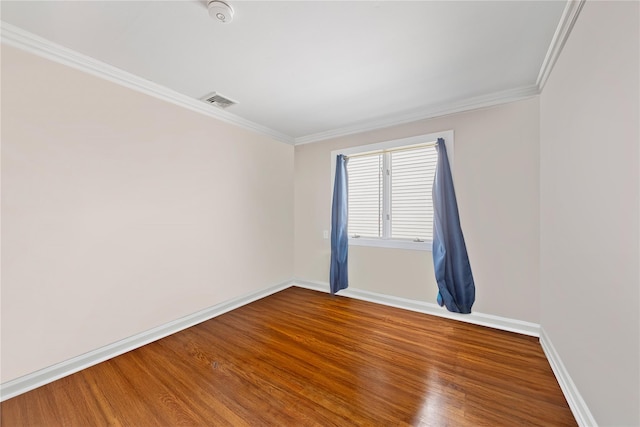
<point x="320" y="213"/>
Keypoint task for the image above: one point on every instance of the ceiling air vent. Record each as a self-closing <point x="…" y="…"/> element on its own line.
<point x="218" y="100"/>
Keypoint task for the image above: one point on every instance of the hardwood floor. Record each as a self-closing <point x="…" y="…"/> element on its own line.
<point x="305" y="358"/>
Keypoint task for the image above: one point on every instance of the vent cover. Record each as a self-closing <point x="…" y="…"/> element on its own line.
<point x="218" y="100"/>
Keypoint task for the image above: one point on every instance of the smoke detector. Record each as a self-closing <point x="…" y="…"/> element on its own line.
<point x="220" y="11"/>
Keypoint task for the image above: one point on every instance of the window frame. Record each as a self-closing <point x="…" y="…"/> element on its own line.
<point x="383" y="242"/>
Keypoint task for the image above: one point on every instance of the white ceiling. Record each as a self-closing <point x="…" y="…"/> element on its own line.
<point x="311" y="68"/>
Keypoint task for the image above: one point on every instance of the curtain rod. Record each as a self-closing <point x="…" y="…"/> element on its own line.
<point x="411" y="147"/>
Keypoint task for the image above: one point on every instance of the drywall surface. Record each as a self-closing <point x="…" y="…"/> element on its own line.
<point x="497" y="185"/>
<point x="589" y="210"/>
<point x="121" y="212"/>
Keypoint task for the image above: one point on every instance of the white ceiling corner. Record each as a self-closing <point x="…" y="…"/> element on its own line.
<point x="304" y="71"/>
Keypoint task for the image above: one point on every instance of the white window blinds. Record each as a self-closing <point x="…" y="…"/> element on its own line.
<point x="412" y="173"/>
<point x="365" y="195"/>
<point x="390" y="193"/>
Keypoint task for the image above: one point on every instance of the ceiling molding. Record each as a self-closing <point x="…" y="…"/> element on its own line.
<point x="563" y="30"/>
<point x="567" y="20"/>
<point x="488" y="100"/>
<point x="24" y="40"/>
<point x="19" y="38"/>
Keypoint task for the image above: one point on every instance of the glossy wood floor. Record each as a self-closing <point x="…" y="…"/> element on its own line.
<point x="305" y="358"/>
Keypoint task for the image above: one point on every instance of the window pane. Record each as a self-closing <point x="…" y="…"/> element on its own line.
<point x="412" y="173"/>
<point x="365" y="195"/>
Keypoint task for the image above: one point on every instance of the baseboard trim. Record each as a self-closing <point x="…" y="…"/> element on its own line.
<point x="47" y="375"/>
<point x="491" y="321"/>
<point x="579" y="408"/>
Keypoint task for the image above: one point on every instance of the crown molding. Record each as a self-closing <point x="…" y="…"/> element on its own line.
<point x="474" y="103"/>
<point x="24" y="40"/>
<point x="567" y="20"/>
<point x="565" y="25"/>
<point x="16" y="37"/>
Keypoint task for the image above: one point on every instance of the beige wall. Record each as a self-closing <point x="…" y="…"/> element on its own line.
<point x="589" y="210"/>
<point x="121" y="212"/>
<point x="496" y="177"/>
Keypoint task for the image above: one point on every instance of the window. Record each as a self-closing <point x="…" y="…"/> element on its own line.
<point x="390" y="192"/>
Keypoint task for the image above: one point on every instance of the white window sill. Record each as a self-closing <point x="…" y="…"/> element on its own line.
<point x="389" y="243"/>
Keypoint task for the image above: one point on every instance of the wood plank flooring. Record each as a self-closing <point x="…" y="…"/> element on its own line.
<point x="305" y="358"/>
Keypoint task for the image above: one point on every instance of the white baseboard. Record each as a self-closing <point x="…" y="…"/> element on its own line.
<point x="579" y="408"/>
<point x="489" y="320"/>
<point x="47" y="375"/>
<point x="44" y="376"/>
